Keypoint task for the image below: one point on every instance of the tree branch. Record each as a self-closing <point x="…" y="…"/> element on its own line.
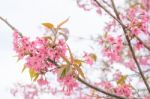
<point x="11" y="26"/>
<point x="107" y="3"/>
<point x="131" y="48"/>
<point x="99" y="90"/>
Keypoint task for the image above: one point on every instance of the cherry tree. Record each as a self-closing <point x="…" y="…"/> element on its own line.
<point x="124" y="43"/>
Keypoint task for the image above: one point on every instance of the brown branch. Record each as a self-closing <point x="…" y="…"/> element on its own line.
<point x="11" y="26"/>
<point x="106" y="2"/>
<point x="131" y="48"/>
<point x="99" y="90"/>
<point x="91" y="86"/>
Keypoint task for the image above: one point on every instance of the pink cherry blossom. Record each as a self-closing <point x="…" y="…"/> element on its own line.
<point x="123" y="90"/>
<point x="42" y="81"/>
<point x="107" y="85"/>
<point x="88" y="59"/>
<point x="69" y="84"/>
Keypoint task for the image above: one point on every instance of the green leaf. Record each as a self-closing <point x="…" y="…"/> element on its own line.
<point x="65" y="59"/>
<point x="36" y="77"/>
<point x="62" y="72"/>
<point x="24" y="67"/>
<point x="48" y="25"/>
<point x="78" y="62"/>
<point x="93" y="56"/>
<point x="122" y="79"/>
<point x="63" y="22"/>
<point x="32" y="73"/>
<point x="71" y="56"/>
<point x="79" y="70"/>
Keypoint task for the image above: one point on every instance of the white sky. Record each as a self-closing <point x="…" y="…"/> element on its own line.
<point x="27" y="15"/>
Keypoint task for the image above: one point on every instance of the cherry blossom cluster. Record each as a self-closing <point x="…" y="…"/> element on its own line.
<point x="138" y="20"/>
<point x="43" y="55"/>
<point x="37" y="53"/>
<point x="113" y="47"/>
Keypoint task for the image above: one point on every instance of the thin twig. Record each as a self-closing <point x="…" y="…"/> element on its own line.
<point x="106" y="2"/>
<point x="107" y="11"/>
